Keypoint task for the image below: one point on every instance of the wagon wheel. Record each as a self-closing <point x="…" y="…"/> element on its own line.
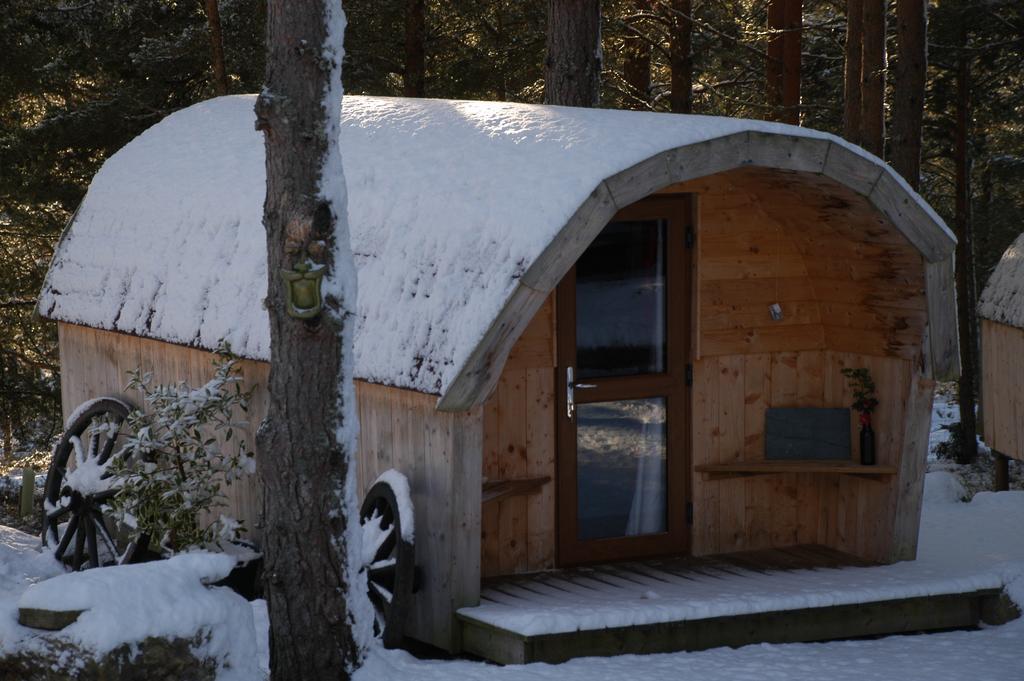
<point x="78" y="487"/>
<point x="390" y="561"/>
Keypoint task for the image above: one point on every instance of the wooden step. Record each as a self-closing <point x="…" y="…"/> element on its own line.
<point x="897" y="616"/>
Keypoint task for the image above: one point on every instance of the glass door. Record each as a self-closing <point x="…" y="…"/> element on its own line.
<point x="623" y="432"/>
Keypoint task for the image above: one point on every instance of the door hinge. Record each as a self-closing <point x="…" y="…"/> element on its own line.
<point x="690" y="237"/>
<point x="689" y="374"/>
<point x="689" y="513"/>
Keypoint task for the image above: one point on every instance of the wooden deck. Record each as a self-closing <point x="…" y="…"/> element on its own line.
<point x="689" y="603"/>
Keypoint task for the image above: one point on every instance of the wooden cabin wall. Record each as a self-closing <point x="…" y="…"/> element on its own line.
<point x="95" y="363"/>
<point x="847" y="280"/>
<point x="519" y="442"/>
<point x="852" y="293"/>
<point x="731" y="393"/>
<point x="438" y="451"/>
<point x="440" y="454"/>
<point x="1002" y="351"/>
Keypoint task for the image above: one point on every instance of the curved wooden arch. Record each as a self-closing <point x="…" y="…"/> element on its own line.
<point x="867" y="177"/>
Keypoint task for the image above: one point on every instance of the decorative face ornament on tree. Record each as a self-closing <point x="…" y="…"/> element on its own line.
<point x="302" y="290"/>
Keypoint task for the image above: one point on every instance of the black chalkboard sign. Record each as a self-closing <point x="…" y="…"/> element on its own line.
<point x="808" y="433"/>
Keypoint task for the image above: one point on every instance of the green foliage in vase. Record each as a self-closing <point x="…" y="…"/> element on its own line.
<point x="863" y="386"/>
<point x="178" y="454"/>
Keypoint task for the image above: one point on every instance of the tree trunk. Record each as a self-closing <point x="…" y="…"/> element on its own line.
<point x="220" y="74"/>
<point x="782" y="70"/>
<point x="965" y="286"/>
<point x="773" y="64"/>
<point x="908" y="105"/>
<point x="851" y="74"/>
<point x="793" y="23"/>
<point x="872" y="95"/>
<point x="636" y="61"/>
<point x="306" y="443"/>
<point x="681" y="53"/>
<point x="414" y="84"/>
<point x="1001" y="474"/>
<point x="572" y="67"/>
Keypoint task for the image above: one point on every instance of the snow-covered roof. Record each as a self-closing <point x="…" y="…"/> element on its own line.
<point x="1003" y="298"/>
<point x="463" y="215"/>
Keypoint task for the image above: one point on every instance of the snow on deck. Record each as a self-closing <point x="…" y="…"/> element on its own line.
<point x="988" y="555"/>
<point x="449" y="203"/>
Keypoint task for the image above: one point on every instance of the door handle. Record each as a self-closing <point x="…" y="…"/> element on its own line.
<point x="570" y="392"/>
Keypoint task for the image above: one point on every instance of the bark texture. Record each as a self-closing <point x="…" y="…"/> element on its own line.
<point x="908" y="106"/>
<point x="872" y="94"/>
<point x="1001" y="474"/>
<point x="572" y="67"/>
<point x="793" y="25"/>
<point x="851" y="74"/>
<point x="681" y="53"/>
<point x="415" y="76"/>
<point x="220" y="74"/>
<point x="302" y="465"/>
<point x="782" y="70"/>
<point x="966" y="292"/>
<point x="773" y="64"/>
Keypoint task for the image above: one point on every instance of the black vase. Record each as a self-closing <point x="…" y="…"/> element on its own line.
<point x="867" y="446"/>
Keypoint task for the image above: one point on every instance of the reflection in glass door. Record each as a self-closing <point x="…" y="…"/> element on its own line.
<point x="620" y="468"/>
<point x="622" y="351"/>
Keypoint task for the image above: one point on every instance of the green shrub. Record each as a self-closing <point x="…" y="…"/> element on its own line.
<point x="178" y="454"/>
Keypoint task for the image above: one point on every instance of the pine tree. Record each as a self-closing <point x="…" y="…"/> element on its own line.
<point x="908" y="105"/>
<point x="572" y="68"/>
<point x="414" y="76"/>
<point x="872" y="74"/>
<point x="307" y="443"/>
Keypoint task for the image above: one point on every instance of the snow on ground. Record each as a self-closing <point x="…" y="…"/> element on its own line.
<point x="987" y="655"/>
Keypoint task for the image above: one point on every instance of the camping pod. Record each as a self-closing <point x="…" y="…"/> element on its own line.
<point x="1001" y="309"/>
<point x="583" y="336"/>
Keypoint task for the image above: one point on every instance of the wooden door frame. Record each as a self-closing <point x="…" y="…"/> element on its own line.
<point x="678" y="209"/>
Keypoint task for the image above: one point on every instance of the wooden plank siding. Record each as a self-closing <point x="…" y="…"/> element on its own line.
<point x="95" y="363"/>
<point x="519" y="442"/>
<point x="845" y="278"/>
<point x="438" y="451"/>
<point x="852" y="293"/>
<point x="846" y="513"/>
<point x="1002" y="352"/>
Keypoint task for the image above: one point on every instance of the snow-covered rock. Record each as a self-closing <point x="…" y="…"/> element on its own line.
<point x="166" y="600"/>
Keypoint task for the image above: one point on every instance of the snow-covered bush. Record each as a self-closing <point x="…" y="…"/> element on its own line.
<point x="178" y="454"/>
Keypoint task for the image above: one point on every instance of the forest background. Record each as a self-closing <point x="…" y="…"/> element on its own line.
<point x="80" y="78"/>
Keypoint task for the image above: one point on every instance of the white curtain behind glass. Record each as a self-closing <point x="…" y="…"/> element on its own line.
<point x="647" y="512"/>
